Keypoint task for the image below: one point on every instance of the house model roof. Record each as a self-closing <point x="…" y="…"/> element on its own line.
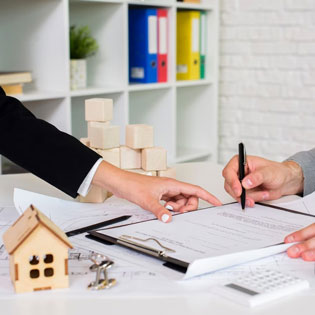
<point x="25" y="225"/>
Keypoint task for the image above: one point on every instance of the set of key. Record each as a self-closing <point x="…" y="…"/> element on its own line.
<point x="101" y="264"/>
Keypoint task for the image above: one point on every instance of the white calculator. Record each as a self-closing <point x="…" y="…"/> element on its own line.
<point x="261" y="287"/>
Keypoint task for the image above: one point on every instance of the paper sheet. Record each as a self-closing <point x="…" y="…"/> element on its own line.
<point x="70" y="215"/>
<point x="305" y="204"/>
<point x="207" y="265"/>
<point x="216" y="233"/>
<point x="8" y="215"/>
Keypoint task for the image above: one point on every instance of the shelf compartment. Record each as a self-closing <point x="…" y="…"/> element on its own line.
<point x="107" y="23"/>
<point x="79" y="125"/>
<point x="34" y="37"/>
<point x="195" y="127"/>
<point x="156" y="108"/>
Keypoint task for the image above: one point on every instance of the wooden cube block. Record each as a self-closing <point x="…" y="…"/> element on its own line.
<point x="92" y="124"/>
<point x="169" y="172"/>
<point x="139" y="136"/>
<point x="95" y="195"/>
<point x="143" y="172"/>
<point x="104" y="136"/>
<point x="111" y="156"/>
<point x="154" y="159"/>
<point x="85" y="141"/>
<point x="98" y="109"/>
<point x="130" y="158"/>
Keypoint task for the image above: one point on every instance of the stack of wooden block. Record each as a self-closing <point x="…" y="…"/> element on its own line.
<point x="138" y="155"/>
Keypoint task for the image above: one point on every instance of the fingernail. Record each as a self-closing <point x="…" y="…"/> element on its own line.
<point x="290" y="239"/>
<point x="247" y="203"/>
<point x="248" y="182"/>
<point x="169" y="207"/>
<point x="165" y="217"/>
<point x="295" y="250"/>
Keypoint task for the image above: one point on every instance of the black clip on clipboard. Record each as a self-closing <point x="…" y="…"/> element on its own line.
<point x="170" y="262"/>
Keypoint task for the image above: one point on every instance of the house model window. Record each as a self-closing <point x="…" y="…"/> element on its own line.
<point x="48" y="259"/>
<point x="34" y="260"/>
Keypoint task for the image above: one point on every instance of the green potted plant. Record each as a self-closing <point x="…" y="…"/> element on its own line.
<point x="82" y="46"/>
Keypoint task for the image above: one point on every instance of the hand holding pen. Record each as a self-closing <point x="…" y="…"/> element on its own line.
<point x="264" y="179"/>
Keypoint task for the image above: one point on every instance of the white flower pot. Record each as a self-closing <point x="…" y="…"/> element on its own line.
<point x="77" y="74"/>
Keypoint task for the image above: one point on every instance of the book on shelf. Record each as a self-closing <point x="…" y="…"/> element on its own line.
<point x="191" y="45"/>
<point x="15" y="77"/>
<point x="13" y="89"/>
<point x="188" y="50"/>
<point x="142" y="45"/>
<point x="162" y="45"/>
<point x="202" y="44"/>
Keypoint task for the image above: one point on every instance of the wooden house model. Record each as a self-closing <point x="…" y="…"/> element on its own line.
<point x="38" y="252"/>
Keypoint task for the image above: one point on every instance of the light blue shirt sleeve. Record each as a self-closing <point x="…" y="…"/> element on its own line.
<point x="306" y="159"/>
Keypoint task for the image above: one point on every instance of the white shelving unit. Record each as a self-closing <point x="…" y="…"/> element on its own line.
<point x="183" y="113"/>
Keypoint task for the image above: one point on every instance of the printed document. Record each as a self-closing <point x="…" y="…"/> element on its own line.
<point x="200" y="237"/>
<point x="70" y="215"/>
<point x="305" y="204"/>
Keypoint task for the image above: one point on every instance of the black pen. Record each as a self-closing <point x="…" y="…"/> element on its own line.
<point x="241" y="171"/>
<point x="97" y="226"/>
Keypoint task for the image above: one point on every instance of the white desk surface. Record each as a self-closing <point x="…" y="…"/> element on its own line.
<point x="207" y="175"/>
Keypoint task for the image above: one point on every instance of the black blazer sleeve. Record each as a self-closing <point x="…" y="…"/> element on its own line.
<point x="41" y="148"/>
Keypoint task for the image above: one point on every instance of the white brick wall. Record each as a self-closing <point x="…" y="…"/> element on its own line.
<point x="267" y="77"/>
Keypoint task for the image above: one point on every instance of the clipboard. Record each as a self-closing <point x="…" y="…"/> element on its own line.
<point x="170" y="262"/>
<point x="162" y="254"/>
